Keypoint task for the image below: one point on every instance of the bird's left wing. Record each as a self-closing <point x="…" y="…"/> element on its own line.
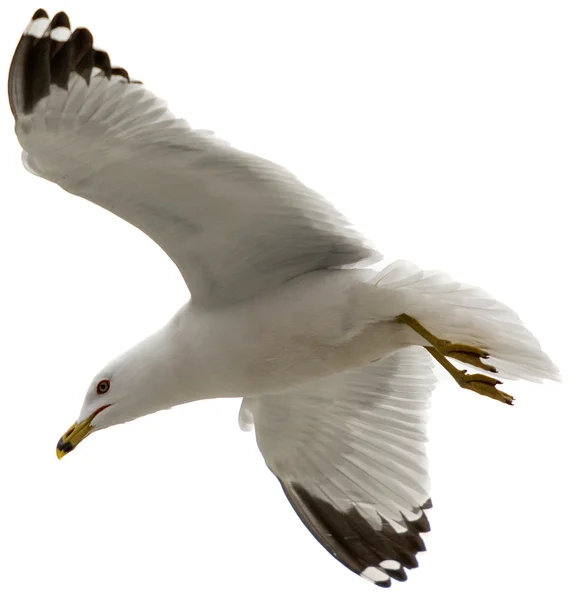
<point x="349" y="451"/>
<point x="234" y="224"/>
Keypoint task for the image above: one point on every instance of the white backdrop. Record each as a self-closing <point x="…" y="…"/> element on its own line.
<point x="446" y="130"/>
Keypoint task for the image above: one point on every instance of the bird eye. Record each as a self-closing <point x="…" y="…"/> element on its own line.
<point x="103" y="386"/>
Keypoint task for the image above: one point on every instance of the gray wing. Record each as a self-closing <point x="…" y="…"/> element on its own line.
<point x="349" y="451"/>
<point x="233" y="223"/>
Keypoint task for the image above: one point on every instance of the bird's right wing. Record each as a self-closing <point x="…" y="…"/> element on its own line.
<point x="234" y="224"/>
<point x="349" y="451"/>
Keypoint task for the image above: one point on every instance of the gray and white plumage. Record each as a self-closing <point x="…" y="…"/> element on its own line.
<point x="352" y="461"/>
<point x="101" y="135"/>
<point x="283" y="311"/>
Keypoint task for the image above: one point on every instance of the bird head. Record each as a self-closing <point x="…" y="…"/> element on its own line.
<point x="135" y="384"/>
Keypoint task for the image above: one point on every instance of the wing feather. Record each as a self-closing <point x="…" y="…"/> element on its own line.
<point x="349" y="452"/>
<point x="92" y="129"/>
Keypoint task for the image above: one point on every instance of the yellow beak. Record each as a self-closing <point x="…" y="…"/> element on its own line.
<point x="76" y="434"/>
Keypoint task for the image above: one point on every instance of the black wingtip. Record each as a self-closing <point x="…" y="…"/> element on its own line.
<point x="82" y="43"/>
<point x="102" y="61"/>
<point x="121" y="72"/>
<point x="48" y="54"/>
<point x="379" y="553"/>
<point x="40" y="14"/>
<point x="60" y="20"/>
<point x="83" y="39"/>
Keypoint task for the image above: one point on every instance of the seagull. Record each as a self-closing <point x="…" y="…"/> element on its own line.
<point x="290" y="307"/>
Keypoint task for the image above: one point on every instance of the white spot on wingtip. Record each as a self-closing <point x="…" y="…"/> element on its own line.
<point x="374" y="574"/>
<point x="60" y="34"/>
<point x="96" y="72"/>
<point x="390" y="564"/>
<point x="397" y="527"/>
<point x="37" y="27"/>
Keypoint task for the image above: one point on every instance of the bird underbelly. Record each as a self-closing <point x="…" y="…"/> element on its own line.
<point x="304" y="358"/>
<point x="313" y="327"/>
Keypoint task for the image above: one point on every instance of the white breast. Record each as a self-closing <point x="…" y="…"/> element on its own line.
<point x="247" y="349"/>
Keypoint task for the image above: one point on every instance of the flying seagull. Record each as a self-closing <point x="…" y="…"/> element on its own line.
<point x="289" y="309"/>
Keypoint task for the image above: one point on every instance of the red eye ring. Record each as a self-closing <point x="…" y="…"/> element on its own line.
<point x="102" y="387"/>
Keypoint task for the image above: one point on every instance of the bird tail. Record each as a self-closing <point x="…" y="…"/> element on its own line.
<point x="464" y="314"/>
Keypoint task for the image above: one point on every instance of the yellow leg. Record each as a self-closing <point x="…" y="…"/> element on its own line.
<point x="441" y="349"/>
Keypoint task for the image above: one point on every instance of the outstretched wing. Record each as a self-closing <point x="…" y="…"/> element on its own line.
<point x="233" y="223"/>
<point x="349" y="451"/>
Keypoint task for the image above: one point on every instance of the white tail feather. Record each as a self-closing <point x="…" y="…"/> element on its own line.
<point x="466" y="314"/>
